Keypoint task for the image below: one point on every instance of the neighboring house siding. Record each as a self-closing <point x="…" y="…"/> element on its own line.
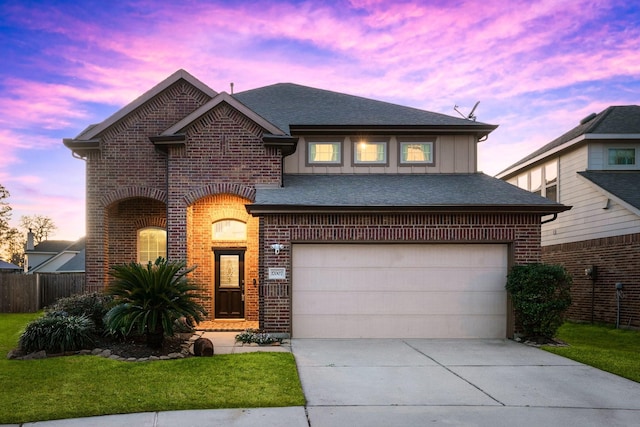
<point x="452" y="154"/>
<point x="587" y="218"/>
<point x="598" y="155"/>
<point x="522" y="231"/>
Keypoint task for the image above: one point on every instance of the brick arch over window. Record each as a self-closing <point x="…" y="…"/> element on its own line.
<point x="133" y="192"/>
<point x="214" y="189"/>
<point x="154" y="221"/>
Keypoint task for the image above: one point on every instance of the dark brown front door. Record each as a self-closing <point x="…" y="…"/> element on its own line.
<point x="229" y="284"/>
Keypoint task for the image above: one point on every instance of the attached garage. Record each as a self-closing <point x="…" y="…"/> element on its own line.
<point x="399" y="290"/>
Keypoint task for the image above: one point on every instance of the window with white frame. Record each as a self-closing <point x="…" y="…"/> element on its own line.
<point x="324" y="152"/>
<point x="417" y="152"/>
<point x="542" y="180"/>
<point x="229" y="230"/>
<point x="152" y="243"/>
<point x="622" y="156"/>
<point x="369" y="152"/>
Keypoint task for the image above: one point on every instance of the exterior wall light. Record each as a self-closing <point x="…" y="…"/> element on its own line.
<point x="277" y="247"/>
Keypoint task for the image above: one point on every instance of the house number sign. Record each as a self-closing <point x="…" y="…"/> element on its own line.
<point x="277" y="273"/>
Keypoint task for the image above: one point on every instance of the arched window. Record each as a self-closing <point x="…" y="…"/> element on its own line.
<point x="229" y="229"/>
<point x="152" y="243"/>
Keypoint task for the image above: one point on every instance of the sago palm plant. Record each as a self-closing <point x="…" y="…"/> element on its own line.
<point x="149" y="299"/>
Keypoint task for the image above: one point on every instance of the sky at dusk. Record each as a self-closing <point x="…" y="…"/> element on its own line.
<point x="537" y="68"/>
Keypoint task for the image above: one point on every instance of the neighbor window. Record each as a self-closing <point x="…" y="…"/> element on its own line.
<point x="152" y="243"/>
<point x="542" y="180"/>
<point x="416" y="152"/>
<point x="370" y="152"/>
<point x="229" y="229"/>
<point x="622" y="156"/>
<point x="324" y="152"/>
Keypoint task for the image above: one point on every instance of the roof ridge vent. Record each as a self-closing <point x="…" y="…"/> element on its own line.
<point x="588" y="118"/>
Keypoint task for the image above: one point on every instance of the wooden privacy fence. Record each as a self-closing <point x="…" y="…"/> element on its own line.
<point x="28" y="293"/>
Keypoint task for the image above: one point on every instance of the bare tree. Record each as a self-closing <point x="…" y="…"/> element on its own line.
<point x="13" y="246"/>
<point x="5" y="212"/>
<point x="41" y="226"/>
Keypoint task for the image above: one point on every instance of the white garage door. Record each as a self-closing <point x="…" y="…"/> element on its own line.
<point x="399" y="291"/>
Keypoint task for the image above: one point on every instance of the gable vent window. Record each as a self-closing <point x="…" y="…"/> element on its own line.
<point x="622" y="156"/>
<point x="152" y="243"/>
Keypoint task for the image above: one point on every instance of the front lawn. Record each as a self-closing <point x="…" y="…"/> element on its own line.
<point x="604" y="347"/>
<point x="81" y="386"/>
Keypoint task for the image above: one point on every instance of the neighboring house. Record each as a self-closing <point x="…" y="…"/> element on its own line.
<point x="595" y="167"/>
<point x="54" y="256"/>
<point x="7" y="267"/>
<point x="311" y="212"/>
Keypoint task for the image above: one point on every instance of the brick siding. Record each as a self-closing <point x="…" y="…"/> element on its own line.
<point x="521" y="231"/>
<point x="617" y="259"/>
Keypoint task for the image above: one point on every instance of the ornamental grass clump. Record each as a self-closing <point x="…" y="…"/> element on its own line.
<point x="150" y="298"/>
<point x="58" y="332"/>
<point x="540" y="295"/>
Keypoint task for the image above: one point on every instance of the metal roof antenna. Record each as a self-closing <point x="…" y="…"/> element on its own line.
<point x="470" y="116"/>
<point x="473" y="110"/>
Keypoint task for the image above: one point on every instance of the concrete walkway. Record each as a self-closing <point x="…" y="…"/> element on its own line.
<point x="419" y="382"/>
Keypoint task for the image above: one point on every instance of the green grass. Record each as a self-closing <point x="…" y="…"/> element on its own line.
<point x="604" y="347"/>
<point x="80" y="386"/>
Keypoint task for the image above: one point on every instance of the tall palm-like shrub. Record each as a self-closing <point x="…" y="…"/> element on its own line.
<point x="149" y="299"/>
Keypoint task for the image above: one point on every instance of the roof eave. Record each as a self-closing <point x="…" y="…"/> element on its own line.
<point x="82" y="148"/>
<point x="262" y="209"/>
<point x="480" y="130"/>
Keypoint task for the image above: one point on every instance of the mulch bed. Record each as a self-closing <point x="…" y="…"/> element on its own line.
<point x="137" y="347"/>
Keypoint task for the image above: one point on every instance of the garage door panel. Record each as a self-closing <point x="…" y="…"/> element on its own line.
<point x="406" y="279"/>
<point x="399" y="326"/>
<point x="410" y="303"/>
<point x="375" y="290"/>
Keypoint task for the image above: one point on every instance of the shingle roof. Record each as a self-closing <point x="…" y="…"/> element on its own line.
<point x="426" y="191"/>
<point x="8" y="266"/>
<point x="286" y="105"/>
<point x="74" y="264"/>
<point x="622" y="184"/>
<point x="623" y="119"/>
<point x="53" y="245"/>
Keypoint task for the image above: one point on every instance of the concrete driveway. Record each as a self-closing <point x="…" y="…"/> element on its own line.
<point x="395" y="382"/>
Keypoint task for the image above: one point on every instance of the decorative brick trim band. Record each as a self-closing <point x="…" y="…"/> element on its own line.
<point x="132" y="193"/>
<point x="626" y="239"/>
<point x="244" y="191"/>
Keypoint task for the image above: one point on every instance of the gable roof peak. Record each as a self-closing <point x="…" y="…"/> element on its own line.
<point x="94" y="130"/>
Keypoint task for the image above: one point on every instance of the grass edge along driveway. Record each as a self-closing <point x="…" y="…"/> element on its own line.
<point x="82" y="386"/>
<point x="603" y="347"/>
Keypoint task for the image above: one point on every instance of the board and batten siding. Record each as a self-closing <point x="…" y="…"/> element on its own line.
<point x="588" y="218"/>
<point x="453" y="154"/>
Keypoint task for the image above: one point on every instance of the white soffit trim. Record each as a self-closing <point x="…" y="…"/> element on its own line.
<point x="145" y="97"/>
<point x="611" y="196"/>
<point x="217" y="100"/>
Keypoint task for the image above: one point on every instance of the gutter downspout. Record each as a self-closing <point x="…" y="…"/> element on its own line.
<point x="555" y="216"/>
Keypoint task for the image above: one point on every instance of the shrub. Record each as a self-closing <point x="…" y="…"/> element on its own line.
<point x="540" y="295"/>
<point x="150" y="298"/>
<point x="249" y="336"/>
<point x="56" y="333"/>
<point x="93" y="305"/>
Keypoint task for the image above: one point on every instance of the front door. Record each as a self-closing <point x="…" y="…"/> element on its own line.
<point x="229" y="284"/>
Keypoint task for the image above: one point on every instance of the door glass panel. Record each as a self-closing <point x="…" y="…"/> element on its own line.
<point x="229" y="271"/>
